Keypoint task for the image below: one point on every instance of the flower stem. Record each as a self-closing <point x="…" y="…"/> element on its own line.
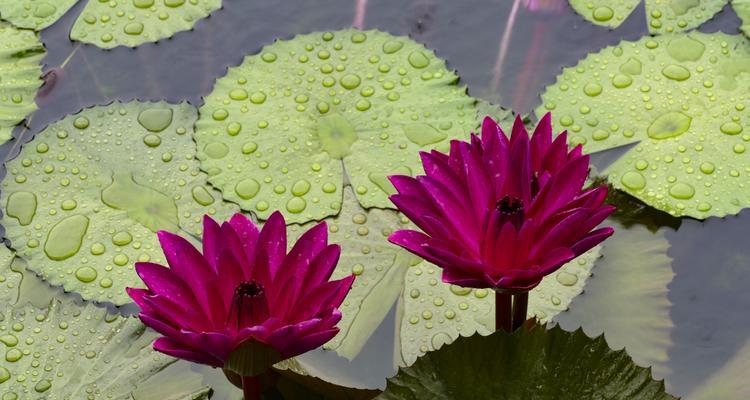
<point x="520" y="307"/>
<point x="503" y="318"/>
<point x="251" y="387"/>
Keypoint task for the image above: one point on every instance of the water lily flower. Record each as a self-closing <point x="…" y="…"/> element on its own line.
<point x="501" y="212"/>
<point x="244" y="288"/>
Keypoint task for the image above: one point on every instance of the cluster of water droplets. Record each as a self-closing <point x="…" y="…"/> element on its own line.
<point x="20" y="54"/>
<point x="279" y="130"/>
<point x="73" y="352"/>
<point x="85" y="198"/>
<point x="682" y="97"/>
<point x="436" y="313"/>
<point x="663" y="16"/>
<point x="110" y="23"/>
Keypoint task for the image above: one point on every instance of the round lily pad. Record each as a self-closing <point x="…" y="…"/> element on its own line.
<point x="627" y="298"/>
<point x="682" y="101"/>
<point x="84" y="200"/>
<point x="109" y="24"/>
<point x="536" y="364"/>
<point x="34" y="14"/>
<point x="20" y="54"/>
<point x="663" y="16"/>
<point x="69" y="352"/>
<point x="379" y="267"/>
<point x="434" y="313"/>
<point x="280" y="130"/>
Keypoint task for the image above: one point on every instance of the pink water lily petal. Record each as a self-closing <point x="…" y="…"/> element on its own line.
<point x="244" y="286"/>
<point x="175" y="349"/>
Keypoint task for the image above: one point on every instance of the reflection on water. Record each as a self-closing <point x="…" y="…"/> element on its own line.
<point x="710" y="260"/>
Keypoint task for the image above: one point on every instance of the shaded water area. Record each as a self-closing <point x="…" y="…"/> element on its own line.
<point x="709" y="315"/>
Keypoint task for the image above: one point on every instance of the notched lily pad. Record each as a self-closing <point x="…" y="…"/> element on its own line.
<point x="682" y="99"/>
<point x="34" y="14"/>
<point x="528" y="364"/>
<point x="663" y="16"/>
<point x="20" y="55"/>
<point x="434" y="313"/>
<point x="109" y="24"/>
<point x="87" y="195"/>
<point x="68" y="352"/>
<point x="279" y="131"/>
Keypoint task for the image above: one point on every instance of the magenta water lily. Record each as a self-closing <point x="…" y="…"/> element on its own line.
<point x="244" y="287"/>
<point x="502" y="213"/>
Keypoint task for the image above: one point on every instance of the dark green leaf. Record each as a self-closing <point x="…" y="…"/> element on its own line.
<point x="535" y="363"/>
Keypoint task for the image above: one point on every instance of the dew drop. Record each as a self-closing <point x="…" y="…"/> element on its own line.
<point x="247" y="188"/>
<point x="566" y="278"/>
<point x="86" y="274"/>
<point x="296" y="205"/>
<point x="633" y="180"/>
<point x="681" y="190"/>
<point x="65" y="238"/>
<point x="21" y="206"/>
<point x="155" y="119"/>
<point x="603" y="14"/>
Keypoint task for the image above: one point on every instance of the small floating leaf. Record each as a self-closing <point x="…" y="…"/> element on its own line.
<point x="109" y="24"/>
<point x="20" y="71"/>
<point x="663" y="16"/>
<point x="681" y="100"/>
<point x="34" y="14"/>
<point x="304" y="110"/>
<point x="528" y="364"/>
<point x="105" y="182"/>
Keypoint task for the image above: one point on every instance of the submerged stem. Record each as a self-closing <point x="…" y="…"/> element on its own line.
<point x="251" y="387"/>
<point x="503" y="318"/>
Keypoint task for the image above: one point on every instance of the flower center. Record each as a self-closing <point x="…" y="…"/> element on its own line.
<point x="511" y="210"/>
<point x="249" y="289"/>
<point x="510" y="206"/>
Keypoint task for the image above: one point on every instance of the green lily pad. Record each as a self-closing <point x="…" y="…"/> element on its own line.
<point x="681" y="100"/>
<point x="20" y="70"/>
<point x="68" y="352"/>
<point x="434" y="313"/>
<point x="528" y="364"/>
<point x="85" y="198"/>
<point x="627" y="300"/>
<point x="609" y="13"/>
<point x="279" y="130"/>
<point x="663" y="16"/>
<point x="109" y="24"/>
<point x="742" y="8"/>
<point x="378" y="265"/>
<point x="10" y="279"/>
<point x="34" y="14"/>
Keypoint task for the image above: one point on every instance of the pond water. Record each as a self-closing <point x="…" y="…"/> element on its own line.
<point x="505" y="56"/>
